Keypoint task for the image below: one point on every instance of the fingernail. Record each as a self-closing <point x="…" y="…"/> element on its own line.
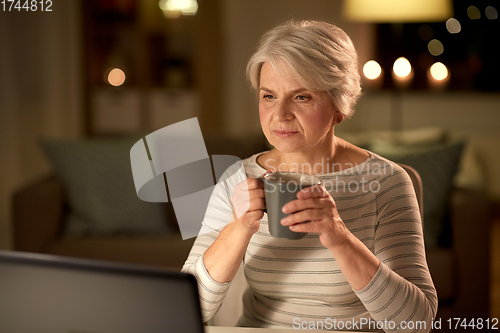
<point x="285" y="209"/>
<point x="266" y="173"/>
<point x="284" y="221"/>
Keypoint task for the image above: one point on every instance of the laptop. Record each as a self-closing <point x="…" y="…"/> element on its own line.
<point x="45" y="293"/>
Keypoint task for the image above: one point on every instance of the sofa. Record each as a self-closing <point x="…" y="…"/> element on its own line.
<point x="459" y="261"/>
<point x="43" y="211"/>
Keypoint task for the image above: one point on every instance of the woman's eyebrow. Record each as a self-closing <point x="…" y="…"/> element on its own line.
<point x="266" y="89"/>
<point x="292" y="92"/>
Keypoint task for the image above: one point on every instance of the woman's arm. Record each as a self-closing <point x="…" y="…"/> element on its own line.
<point x="394" y="282"/>
<point x="223" y="258"/>
<point x="217" y="254"/>
<point x="402" y="290"/>
<point x="358" y="264"/>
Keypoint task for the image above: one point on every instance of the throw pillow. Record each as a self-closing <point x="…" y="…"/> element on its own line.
<point x="100" y="189"/>
<point x="437" y="165"/>
<point x="373" y="139"/>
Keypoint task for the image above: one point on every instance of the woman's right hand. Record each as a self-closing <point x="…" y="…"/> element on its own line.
<point x="223" y="258"/>
<point x="248" y="205"/>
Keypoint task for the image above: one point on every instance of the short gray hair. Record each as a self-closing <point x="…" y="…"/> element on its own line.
<point x="320" y="55"/>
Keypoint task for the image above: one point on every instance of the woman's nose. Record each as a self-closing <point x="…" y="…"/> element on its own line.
<point x="283" y="112"/>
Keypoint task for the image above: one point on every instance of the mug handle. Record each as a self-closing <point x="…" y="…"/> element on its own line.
<point x="262" y="178"/>
<point x="262" y="181"/>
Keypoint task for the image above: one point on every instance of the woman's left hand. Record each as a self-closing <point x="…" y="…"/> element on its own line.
<point x="315" y="211"/>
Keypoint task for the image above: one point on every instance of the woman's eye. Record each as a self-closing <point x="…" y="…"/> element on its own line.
<point x="267" y="97"/>
<point x="302" y="98"/>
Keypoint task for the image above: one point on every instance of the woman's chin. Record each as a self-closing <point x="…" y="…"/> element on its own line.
<point x="286" y="147"/>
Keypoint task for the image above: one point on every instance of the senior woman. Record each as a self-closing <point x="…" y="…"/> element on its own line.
<point x="362" y="264"/>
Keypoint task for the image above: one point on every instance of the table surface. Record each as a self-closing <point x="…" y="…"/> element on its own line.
<point x="220" y="329"/>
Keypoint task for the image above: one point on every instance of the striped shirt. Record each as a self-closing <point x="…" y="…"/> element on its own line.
<point x="298" y="283"/>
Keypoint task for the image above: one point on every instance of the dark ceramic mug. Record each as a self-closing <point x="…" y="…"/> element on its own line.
<point x="281" y="188"/>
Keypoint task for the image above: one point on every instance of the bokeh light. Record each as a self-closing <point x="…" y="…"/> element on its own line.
<point x="491" y="13"/>
<point x="174" y="8"/>
<point x="473" y="13"/>
<point x="116" y="77"/>
<point x="453" y="26"/>
<point x="372" y="70"/>
<point x="439" y="71"/>
<point x="435" y="47"/>
<point x="425" y="32"/>
<point x="402" y="67"/>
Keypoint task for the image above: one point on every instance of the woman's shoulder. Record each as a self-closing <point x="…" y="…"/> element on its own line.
<point x="388" y="174"/>
<point x="353" y="160"/>
<point x="348" y="153"/>
<point x="253" y="164"/>
<point x="383" y="163"/>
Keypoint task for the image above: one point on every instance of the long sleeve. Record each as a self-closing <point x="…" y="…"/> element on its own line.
<point x="402" y="293"/>
<point x="219" y="213"/>
<point x="211" y="292"/>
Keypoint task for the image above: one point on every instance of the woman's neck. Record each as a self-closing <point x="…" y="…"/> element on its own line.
<point x="309" y="161"/>
<point x="342" y="155"/>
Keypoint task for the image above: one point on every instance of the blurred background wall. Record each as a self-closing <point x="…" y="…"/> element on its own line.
<point x="41" y="93"/>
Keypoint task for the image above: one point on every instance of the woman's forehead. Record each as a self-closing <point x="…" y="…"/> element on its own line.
<point x="278" y="76"/>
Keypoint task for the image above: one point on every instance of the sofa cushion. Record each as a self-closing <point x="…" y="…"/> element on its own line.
<point x="437" y="165"/>
<point x="442" y="265"/>
<point x="165" y="251"/>
<point x="410" y="137"/>
<point x="100" y="189"/>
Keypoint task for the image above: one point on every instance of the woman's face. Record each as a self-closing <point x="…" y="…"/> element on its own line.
<point x="293" y="118"/>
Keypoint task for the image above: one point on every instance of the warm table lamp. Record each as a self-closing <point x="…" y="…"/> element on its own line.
<point x="397" y="12"/>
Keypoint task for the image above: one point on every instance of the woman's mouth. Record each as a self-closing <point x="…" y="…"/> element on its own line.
<point x="284" y="134"/>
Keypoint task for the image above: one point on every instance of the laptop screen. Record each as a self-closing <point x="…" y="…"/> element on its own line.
<point x="42" y="293"/>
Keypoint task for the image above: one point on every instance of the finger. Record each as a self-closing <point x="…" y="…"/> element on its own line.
<point x="249" y="201"/>
<point x="250" y="218"/>
<point x="243" y="197"/>
<point x="258" y="193"/>
<point x="266" y="173"/>
<point x="316" y="191"/>
<point x="250" y="205"/>
<point x="248" y="184"/>
<point x="257" y="204"/>
<point x="310" y="227"/>
<point x="254" y="183"/>
<point x="301" y="204"/>
<point x="249" y="195"/>
<point x="305" y="216"/>
<point x="336" y="228"/>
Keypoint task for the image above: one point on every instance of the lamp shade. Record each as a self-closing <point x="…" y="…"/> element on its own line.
<point x="393" y="11"/>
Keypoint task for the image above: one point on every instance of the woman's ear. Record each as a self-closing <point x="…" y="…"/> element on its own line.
<point x="339" y="117"/>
